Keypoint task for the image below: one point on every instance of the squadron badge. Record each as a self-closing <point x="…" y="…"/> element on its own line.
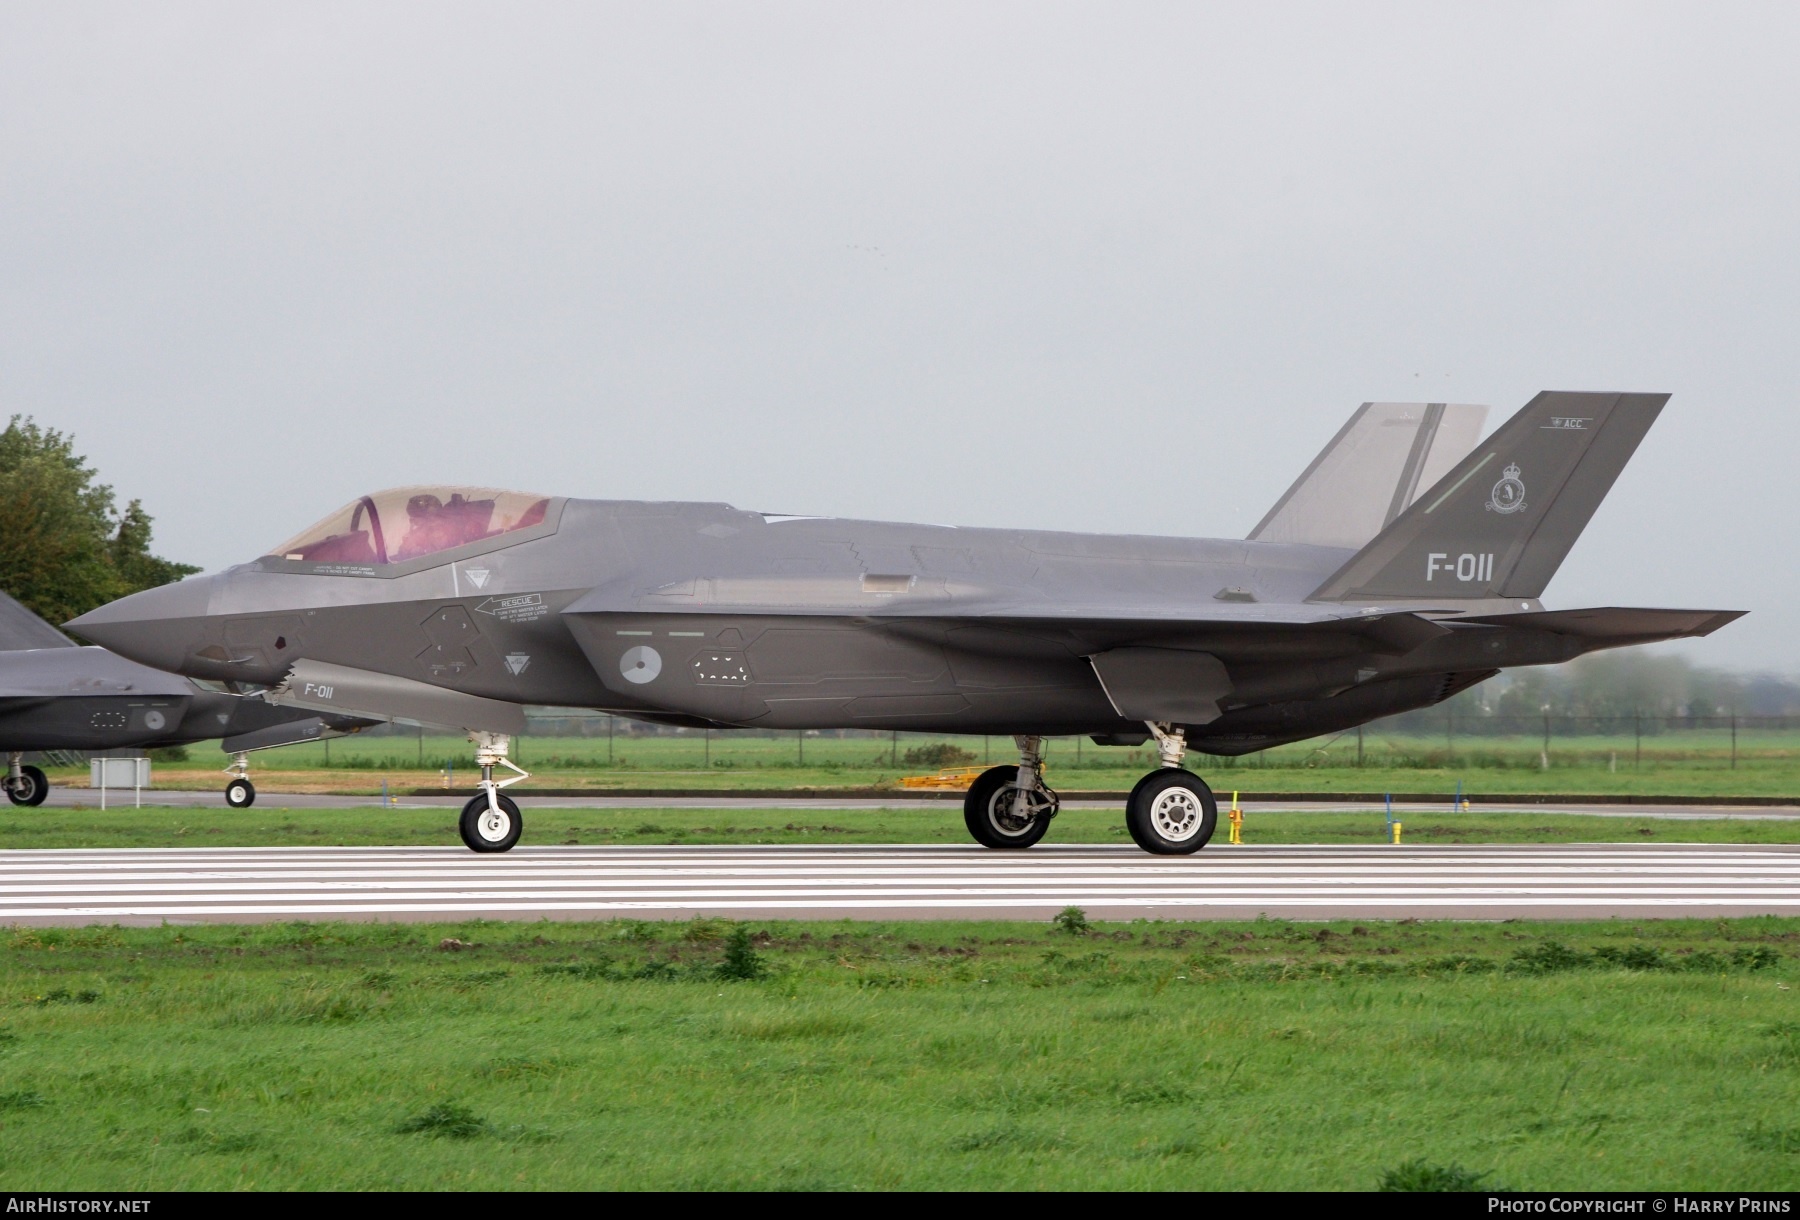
<point x="1508" y="495"/>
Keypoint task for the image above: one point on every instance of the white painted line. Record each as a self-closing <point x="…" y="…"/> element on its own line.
<point x="337" y="883"/>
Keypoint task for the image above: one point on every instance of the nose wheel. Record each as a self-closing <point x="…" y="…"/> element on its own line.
<point x="490" y="826"/>
<point x="240" y="793"/>
<point x="490" y="822"/>
<point x="25" y="785"/>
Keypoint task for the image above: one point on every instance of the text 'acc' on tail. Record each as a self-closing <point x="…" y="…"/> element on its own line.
<point x="1500" y="523"/>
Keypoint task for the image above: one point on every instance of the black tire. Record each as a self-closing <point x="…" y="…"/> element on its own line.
<point x="29" y="789"/>
<point x="240" y="794"/>
<point x="482" y="835"/>
<point x="1171" y="813"/>
<point x="987" y="813"/>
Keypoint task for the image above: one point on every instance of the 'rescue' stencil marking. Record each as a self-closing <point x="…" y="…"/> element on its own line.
<point x="523" y="608"/>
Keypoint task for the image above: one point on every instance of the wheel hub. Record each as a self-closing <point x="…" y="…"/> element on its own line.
<point x="1001" y="815"/>
<point x="493" y="824"/>
<point x="1176" y="815"/>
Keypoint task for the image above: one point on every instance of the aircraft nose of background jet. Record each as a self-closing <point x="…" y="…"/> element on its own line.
<point x="156" y="627"/>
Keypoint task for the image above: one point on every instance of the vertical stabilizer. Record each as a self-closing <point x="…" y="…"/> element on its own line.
<point x="1501" y="522"/>
<point x="20" y="629"/>
<point x="1371" y="471"/>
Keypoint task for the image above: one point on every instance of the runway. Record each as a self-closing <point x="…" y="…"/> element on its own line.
<point x="950" y="804"/>
<point x="235" y="885"/>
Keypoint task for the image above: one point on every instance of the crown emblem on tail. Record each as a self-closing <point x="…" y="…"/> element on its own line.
<point x="1508" y="495"/>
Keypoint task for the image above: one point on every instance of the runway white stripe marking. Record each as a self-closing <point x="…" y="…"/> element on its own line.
<point x="1688" y="906"/>
<point x="362" y="883"/>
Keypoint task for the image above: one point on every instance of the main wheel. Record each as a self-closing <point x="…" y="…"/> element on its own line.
<point x="486" y="830"/>
<point x="240" y="794"/>
<point x="1171" y="813"/>
<point x="988" y="810"/>
<point x="29" y="789"/>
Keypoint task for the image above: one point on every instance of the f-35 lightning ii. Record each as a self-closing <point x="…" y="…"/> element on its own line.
<point x="57" y="695"/>
<point x="1357" y="597"/>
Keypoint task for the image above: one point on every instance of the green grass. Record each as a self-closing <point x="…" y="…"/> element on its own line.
<point x="58" y="827"/>
<point x="1661" y="1055"/>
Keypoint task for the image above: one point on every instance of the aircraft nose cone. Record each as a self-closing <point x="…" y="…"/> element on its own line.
<point x="156" y="627"/>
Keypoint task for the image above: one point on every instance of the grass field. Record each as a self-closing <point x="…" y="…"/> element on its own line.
<point x="935" y="1055"/>
<point x="1764" y="763"/>
<point x="54" y="827"/>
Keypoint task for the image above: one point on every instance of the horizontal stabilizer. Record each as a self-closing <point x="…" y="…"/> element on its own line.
<point x="1617" y="625"/>
<point x="344" y="691"/>
<point x="1501" y="522"/>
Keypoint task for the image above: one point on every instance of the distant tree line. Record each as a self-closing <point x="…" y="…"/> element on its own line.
<point x="65" y="545"/>
<point x="1612" y="685"/>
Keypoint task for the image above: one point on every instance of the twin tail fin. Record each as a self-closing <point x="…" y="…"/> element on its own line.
<point x="1500" y="523"/>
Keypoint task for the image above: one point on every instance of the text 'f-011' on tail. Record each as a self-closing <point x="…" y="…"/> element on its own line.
<point x="1500" y="523"/>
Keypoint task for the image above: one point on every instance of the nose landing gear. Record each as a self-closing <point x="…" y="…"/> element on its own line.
<point x="490" y="822"/>
<point x="1011" y="807"/>
<point x="240" y="793"/>
<point x="1171" y="812"/>
<point x="24" y="785"/>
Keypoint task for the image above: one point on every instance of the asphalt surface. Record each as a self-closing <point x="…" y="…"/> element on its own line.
<point x="238" y="885"/>
<point x="86" y="798"/>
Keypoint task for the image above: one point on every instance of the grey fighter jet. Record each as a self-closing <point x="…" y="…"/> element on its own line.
<point x="57" y="695"/>
<point x="1359" y="596"/>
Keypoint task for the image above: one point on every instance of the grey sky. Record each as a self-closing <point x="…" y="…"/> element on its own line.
<point x="1111" y="266"/>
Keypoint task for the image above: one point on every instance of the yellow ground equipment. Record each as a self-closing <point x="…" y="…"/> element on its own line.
<point x="950" y="779"/>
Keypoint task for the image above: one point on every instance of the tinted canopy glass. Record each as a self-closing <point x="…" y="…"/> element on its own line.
<point x="407" y="523"/>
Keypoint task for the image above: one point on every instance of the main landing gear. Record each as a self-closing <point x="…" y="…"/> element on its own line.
<point x="24" y="785"/>
<point x="1011" y="806"/>
<point x="1171" y="812"/>
<point x="490" y="822"/>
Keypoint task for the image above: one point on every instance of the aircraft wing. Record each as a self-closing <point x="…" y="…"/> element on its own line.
<point x="937" y="598"/>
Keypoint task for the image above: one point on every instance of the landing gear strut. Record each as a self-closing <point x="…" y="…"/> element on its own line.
<point x="240" y="793"/>
<point x="490" y="822"/>
<point x="1171" y="812"/>
<point x="24" y="785"/>
<point x="1011" y="806"/>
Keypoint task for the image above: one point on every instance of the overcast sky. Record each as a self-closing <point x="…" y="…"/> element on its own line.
<point x="1115" y="267"/>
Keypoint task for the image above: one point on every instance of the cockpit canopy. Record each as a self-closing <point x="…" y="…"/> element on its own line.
<point x="408" y="523"/>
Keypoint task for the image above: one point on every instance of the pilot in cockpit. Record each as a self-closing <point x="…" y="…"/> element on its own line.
<point x="434" y="525"/>
<point x="370" y="532"/>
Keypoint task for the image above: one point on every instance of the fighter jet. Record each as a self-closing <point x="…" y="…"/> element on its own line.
<point x="1357" y="597"/>
<point x="57" y="695"/>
